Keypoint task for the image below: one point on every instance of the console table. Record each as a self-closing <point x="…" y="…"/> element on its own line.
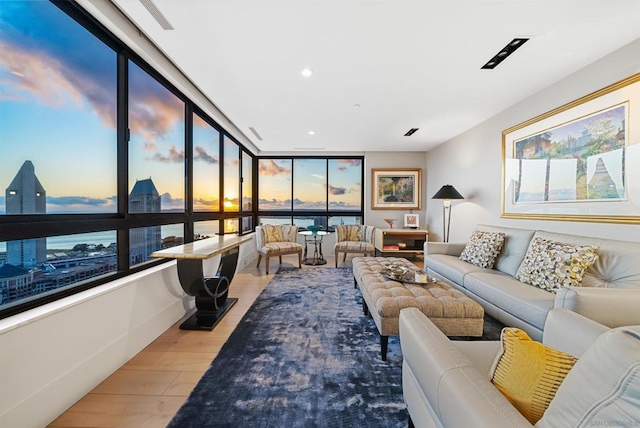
<point x="210" y="292"/>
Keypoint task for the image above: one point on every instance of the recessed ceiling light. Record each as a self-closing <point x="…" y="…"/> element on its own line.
<point x="504" y="53"/>
<point x="307" y="72"/>
<point x="312" y="132"/>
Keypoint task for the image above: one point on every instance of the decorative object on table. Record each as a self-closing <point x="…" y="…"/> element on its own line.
<point x="354" y="238"/>
<point x="314" y="229"/>
<point x="390" y="222"/>
<point x="446" y="193"/>
<point x="576" y="162"/>
<point x="411" y="221"/>
<point x="395" y="189"/>
<point x="402" y="273"/>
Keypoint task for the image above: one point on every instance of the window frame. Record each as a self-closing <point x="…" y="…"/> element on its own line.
<point x="28" y="226"/>
<point x="327" y="213"/>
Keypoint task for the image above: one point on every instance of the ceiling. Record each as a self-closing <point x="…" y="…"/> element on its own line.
<point x="379" y="67"/>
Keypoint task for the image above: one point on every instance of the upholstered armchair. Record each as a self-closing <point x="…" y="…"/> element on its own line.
<point x="277" y="240"/>
<point x="354" y="238"/>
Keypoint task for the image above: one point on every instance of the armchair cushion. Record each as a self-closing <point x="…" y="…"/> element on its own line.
<point x="354" y="246"/>
<point x="280" y="247"/>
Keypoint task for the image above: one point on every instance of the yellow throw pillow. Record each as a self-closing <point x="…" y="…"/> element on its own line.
<point x="529" y="373"/>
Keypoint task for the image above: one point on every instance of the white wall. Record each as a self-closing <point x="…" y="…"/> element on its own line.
<point x="471" y="162"/>
<point x="392" y="160"/>
<point x="52" y="356"/>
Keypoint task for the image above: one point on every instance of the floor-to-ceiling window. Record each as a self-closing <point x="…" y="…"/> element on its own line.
<point x="102" y="161"/>
<point x="321" y="191"/>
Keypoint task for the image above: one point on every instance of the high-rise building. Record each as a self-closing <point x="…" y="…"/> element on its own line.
<point x="144" y="198"/>
<point x="25" y="195"/>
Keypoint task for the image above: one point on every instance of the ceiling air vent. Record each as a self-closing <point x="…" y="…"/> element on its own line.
<point x="410" y="132"/>
<point x="254" y="132"/>
<point x="504" y="53"/>
<point x="157" y="15"/>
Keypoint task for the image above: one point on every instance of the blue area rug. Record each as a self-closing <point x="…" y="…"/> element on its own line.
<point x="304" y="355"/>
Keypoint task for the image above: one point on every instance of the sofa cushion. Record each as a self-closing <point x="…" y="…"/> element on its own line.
<point x="529" y="373"/>
<point x="450" y="267"/>
<point x="514" y="249"/>
<point x="551" y="264"/>
<point x="483" y="248"/>
<point x="530" y="304"/>
<point x="617" y="265"/>
<point x="603" y="387"/>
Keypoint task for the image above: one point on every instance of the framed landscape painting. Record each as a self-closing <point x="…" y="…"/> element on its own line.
<point x="395" y="189"/>
<point x="579" y="162"/>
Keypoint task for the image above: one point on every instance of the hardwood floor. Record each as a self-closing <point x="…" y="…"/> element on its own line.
<point x="149" y="389"/>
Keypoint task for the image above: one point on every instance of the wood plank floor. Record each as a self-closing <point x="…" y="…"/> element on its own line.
<point x="149" y="389"/>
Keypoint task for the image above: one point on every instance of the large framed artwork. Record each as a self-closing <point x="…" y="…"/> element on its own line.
<point x="395" y="189"/>
<point x="579" y="162"/>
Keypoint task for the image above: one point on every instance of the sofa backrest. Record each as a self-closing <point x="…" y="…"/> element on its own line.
<point x="514" y="249"/>
<point x="618" y="263"/>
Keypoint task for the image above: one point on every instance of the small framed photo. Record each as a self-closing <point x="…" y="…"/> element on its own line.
<point x="411" y="220"/>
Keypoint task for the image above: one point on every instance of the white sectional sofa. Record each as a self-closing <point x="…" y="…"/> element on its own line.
<point x="613" y="277"/>
<point x="446" y="383"/>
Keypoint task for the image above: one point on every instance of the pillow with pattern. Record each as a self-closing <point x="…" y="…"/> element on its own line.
<point x="551" y="265"/>
<point x="272" y="234"/>
<point x="483" y="248"/>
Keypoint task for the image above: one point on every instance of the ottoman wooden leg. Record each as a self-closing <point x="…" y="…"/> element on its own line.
<point x="384" y="342"/>
<point x="365" y="308"/>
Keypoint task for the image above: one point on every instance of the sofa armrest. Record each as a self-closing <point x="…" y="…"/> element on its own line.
<point x="613" y="307"/>
<point x="440" y="381"/>
<point x="450" y="249"/>
<point x="570" y="332"/>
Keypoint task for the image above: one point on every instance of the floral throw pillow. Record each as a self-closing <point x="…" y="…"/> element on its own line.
<point x="483" y="248"/>
<point x="551" y="265"/>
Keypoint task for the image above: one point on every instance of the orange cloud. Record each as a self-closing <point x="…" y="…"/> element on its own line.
<point x="52" y="83"/>
<point x="270" y="168"/>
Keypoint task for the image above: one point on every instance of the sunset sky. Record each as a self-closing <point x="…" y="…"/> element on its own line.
<point x="58" y="109"/>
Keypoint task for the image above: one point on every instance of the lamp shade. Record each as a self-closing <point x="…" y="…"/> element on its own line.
<point x="447" y="192"/>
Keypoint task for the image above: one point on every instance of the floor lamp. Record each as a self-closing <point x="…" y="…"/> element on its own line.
<point x="446" y="193"/>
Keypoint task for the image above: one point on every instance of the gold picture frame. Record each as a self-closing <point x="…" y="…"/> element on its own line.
<point x="395" y="189"/>
<point x="578" y="162"/>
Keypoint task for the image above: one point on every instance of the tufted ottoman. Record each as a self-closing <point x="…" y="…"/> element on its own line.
<point x="449" y="309"/>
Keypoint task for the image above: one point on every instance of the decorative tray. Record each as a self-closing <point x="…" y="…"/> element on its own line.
<point x="409" y="277"/>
